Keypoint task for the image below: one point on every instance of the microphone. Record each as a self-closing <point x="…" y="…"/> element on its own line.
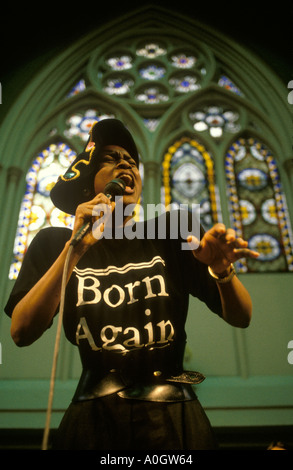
<point x="114" y="188"/>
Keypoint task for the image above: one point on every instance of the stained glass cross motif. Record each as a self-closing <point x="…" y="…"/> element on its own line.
<point x="247" y="211"/>
<point x="189" y="180"/>
<point x="266" y="245"/>
<point x="252" y="179"/>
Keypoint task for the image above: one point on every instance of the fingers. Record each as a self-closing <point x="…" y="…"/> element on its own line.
<point x="193" y="243"/>
<point x="228" y="236"/>
<point x="245" y="253"/>
<point x="223" y="243"/>
<point x="218" y="230"/>
<point x="238" y="245"/>
<point x="102" y="209"/>
<point x="101" y="198"/>
<point x="94" y="208"/>
<point x="96" y="211"/>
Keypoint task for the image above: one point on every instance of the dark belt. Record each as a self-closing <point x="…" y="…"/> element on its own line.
<point x="156" y="388"/>
<point x="168" y="392"/>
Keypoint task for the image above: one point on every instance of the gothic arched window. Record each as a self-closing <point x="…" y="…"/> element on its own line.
<point x="189" y="178"/>
<point x="37" y="210"/>
<point x="258" y="207"/>
<point x="187" y="97"/>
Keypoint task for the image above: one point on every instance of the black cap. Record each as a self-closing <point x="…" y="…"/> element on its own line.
<point x="76" y="185"/>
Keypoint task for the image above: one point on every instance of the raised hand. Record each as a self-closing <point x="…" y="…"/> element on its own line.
<point x="219" y="247"/>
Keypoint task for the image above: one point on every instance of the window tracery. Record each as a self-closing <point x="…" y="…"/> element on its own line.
<point x="151" y="76"/>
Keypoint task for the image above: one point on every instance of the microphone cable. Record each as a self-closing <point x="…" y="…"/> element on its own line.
<point x="113" y="188"/>
<point x="56" y="351"/>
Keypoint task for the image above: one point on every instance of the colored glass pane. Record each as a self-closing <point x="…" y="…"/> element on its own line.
<point x="151" y="95"/>
<point x="79" y="124"/>
<point x="37" y="210"/>
<point x="215" y="120"/>
<point x="123" y="62"/>
<point x="151" y="50"/>
<point x="118" y="85"/>
<point x="188" y="178"/>
<point x="226" y="83"/>
<point x="184" y="84"/>
<point x="152" y="72"/>
<point x="151" y="124"/>
<point x="78" y="88"/>
<point x="151" y="62"/>
<point x="182" y="61"/>
<point x="258" y="208"/>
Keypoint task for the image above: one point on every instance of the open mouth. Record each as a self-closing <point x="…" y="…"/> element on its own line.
<point x="129" y="182"/>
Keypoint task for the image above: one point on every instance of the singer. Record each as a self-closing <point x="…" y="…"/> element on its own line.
<point x="125" y="307"/>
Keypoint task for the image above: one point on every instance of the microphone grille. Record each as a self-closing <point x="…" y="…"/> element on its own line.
<point x="115" y="187"/>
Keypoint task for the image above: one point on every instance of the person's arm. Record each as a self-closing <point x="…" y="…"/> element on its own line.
<point x="218" y="249"/>
<point x="236" y="303"/>
<point x="34" y="312"/>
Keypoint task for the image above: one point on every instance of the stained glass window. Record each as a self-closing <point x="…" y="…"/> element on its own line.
<point x="151" y="50"/>
<point x="215" y="120"/>
<point x="183" y="61"/>
<point x="188" y="178"/>
<point x="226" y="83"/>
<point x="184" y="83"/>
<point x="78" y="88"/>
<point x="79" y="124"/>
<point x="37" y="210"/>
<point x="178" y="70"/>
<point x="158" y="80"/>
<point x="152" y="72"/>
<point x="151" y="123"/>
<point x="121" y="62"/>
<point x="258" y="207"/>
<point x="118" y="85"/>
<point x="152" y="95"/>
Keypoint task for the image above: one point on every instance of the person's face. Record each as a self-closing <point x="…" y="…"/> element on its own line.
<point x="116" y="162"/>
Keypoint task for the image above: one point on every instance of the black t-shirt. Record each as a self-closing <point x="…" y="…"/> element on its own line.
<point x="127" y="299"/>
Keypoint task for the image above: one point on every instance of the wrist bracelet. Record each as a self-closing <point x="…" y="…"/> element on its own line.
<point x="223" y="280"/>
